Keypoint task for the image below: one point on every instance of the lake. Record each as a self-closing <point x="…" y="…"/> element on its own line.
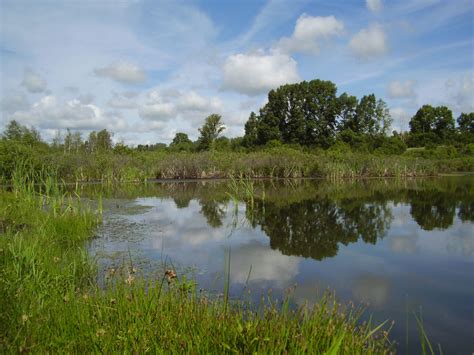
<point x="398" y="247"/>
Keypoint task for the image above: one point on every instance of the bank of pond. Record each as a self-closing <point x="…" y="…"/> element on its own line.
<point x="209" y="266"/>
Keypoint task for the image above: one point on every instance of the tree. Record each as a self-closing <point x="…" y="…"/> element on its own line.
<point x="17" y="132"/>
<point x="303" y="113"/>
<point x="13" y="131"/>
<point x="68" y="141"/>
<point x="210" y="131"/>
<point x="104" y="140"/>
<point x="91" y="143"/>
<point x="347" y="114"/>
<point x="466" y="122"/>
<point x="77" y="141"/>
<point x="181" y="138"/>
<point x="251" y="131"/>
<point x="181" y="142"/>
<point x="383" y="118"/>
<point x="366" y="113"/>
<point x="432" y="124"/>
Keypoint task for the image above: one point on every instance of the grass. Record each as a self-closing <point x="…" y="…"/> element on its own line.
<point x="281" y="162"/>
<point x="51" y="302"/>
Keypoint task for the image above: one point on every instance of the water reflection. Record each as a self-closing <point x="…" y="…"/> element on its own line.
<point x="393" y="244"/>
<point x="314" y="228"/>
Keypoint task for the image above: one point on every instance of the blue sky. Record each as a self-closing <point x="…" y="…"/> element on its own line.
<point x="148" y="69"/>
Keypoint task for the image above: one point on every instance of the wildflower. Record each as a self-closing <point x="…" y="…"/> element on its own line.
<point x="24" y="318"/>
<point x="56" y="259"/>
<point x="170" y="275"/>
<point x="130" y="280"/>
<point x="100" y="332"/>
<point x="85" y="296"/>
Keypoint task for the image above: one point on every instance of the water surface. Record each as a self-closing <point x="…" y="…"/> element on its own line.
<point x="397" y="246"/>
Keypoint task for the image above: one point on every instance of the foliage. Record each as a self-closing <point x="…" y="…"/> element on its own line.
<point x="181" y="142"/>
<point x="311" y="114"/>
<point x="211" y="129"/>
<point x="466" y="123"/>
<point x="431" y="125"/>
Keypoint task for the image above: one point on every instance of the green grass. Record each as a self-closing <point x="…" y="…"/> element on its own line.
<point x="281" y="162"/>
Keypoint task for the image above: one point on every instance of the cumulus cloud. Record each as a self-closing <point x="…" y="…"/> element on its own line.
<point x="191" y="101"/>
<point x="253" y="74"/>
<point x="309" y="32"/>
<point x="267" y="265"/>
<point x="33" y="82"/>
<point x="51" y="113"/>
<point x="168" y="103"/>
<point x="401" y="89"/>
<point x="369" y="43"/>
<point x="122" y="72"/>
<point x="374" y="5"/>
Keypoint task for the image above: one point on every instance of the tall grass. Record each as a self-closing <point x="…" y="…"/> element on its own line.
<point x="282" y="162"/>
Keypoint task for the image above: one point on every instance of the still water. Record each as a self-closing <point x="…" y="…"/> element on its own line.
<point x="396" y="246"/>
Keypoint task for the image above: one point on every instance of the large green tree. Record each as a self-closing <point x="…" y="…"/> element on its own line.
<point x="211" y="129"/>
<point x="432" y="124"/>
<point x="251" y="131"/>
<point x="303" y="113"/>
<point x="181" y="142"/>
<point x="466" y="122"/>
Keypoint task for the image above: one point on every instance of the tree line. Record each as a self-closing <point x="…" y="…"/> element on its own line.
<point x="306" y="114"/>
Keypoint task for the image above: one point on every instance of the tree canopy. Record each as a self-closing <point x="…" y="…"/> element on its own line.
<point x="210" y="131"/>
<point x="311" y="114"/>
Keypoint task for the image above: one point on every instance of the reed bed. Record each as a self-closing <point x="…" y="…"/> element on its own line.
<point x="281" y="162"/>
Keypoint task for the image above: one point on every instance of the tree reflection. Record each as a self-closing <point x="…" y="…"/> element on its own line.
<point x="213" y="211"/>
<point x="432" y="209"/>
<point x="314" y="228"/>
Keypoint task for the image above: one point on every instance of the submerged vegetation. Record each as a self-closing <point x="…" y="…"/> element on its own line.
<point x="51" y="302"/>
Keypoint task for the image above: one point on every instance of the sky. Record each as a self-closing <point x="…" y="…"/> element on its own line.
<point x="147" y="69"/>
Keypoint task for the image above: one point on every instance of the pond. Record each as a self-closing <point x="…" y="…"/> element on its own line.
<point x="398" y="247"/>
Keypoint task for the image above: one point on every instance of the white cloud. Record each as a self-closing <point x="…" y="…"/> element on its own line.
<point x="50" y="113"/>
<point x="401" y="89"/>
<point x="369" y="42"/>
<point x="122" y="72"/>
<point x="266" y="264"/>
<point x="309" y="32"/>
<point x="164" y="104"/>
<point x="253" y="74"/>
<point x="374" y="5"/>
<point x="191" y="101"/>
<point x="33" y="82"/>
